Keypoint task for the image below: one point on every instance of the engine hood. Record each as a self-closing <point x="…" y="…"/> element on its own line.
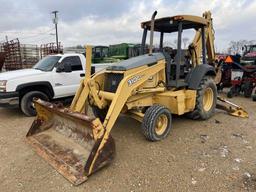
<point x="136" y="62"/>
<point x="10" y="75"/>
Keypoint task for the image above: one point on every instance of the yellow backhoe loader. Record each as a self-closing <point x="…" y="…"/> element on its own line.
<point x="149" y="88"/>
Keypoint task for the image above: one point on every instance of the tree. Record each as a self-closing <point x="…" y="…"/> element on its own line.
<point x="79" y="47"/>
<point x="236" y="47"/>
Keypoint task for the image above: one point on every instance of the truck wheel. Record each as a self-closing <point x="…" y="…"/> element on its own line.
<point x="247" y="88"/>
<point x="254" y="94"/>
<point x="27" y="106"/>
<point x="230" y="93"/>
<point x="234" y="91"/>
<point x="254" y="97"/>
<point x="157" y="123"/>
<point x="206" y="99"/>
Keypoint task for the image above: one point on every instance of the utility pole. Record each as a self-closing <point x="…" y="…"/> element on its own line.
<point x="55" y="21"/>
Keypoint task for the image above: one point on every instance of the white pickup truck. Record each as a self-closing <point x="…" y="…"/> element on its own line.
<point x="53" y="77"/>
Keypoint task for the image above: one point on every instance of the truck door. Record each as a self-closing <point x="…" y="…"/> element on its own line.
<point x="66" y="83"/>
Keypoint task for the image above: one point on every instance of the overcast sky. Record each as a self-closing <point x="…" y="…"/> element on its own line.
<point x="114" y="21"/>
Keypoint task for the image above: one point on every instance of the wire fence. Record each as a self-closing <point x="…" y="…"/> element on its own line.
<point x="14" y="55"/>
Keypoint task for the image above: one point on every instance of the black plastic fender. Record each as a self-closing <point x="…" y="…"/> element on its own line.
<point x="35" y="85"/>
<point x="196" y="75"/>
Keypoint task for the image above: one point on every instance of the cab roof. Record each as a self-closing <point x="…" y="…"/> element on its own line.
<point x="170" y="24"/>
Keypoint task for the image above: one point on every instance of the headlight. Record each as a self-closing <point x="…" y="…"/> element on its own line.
<point x="3" y="85"/>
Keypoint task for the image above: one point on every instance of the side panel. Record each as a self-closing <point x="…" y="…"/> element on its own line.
<point x="178" y="102"/>
<point x="37" y="77"/>
<point x="66" y="84"/>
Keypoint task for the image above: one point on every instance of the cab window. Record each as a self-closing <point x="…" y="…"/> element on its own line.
<point x="74" y="61"/>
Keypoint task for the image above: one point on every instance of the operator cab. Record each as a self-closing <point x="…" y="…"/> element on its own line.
<point x="177" y="60"/>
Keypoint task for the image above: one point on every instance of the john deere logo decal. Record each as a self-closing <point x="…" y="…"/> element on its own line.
<point x="134" y="79"/>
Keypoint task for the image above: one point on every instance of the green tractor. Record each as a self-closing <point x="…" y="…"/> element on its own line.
<point x="115" y="53"/>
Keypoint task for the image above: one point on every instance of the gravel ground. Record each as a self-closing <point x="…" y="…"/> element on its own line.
<point x="213" y="155"/>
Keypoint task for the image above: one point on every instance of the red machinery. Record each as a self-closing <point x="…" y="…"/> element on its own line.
<point x="243" y="78"/>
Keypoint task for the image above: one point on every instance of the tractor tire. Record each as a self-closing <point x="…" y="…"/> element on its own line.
<point x="206" y="100"/>
<point x="100" y="113"/>
<point x="254" y="97"/>
<point x="254" y="94"/>
<point x="230" y="94"/>
<point x="26" y="104"/>
<point x="247" y="88"/>
<point x="157" y="123"/>
<point x="234" y="91"/>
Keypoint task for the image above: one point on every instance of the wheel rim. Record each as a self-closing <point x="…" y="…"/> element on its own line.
<point x="208" y="99"/>
<point x="161" y="124"/>
<point x="33" y="105"/>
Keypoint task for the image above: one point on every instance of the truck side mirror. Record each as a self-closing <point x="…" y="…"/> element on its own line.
<point x="64" y="67"/>
<point x="59" y="68"/>
<point x="67" y="68"/>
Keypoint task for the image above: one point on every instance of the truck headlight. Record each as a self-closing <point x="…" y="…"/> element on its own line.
<point x="3" y="85"/>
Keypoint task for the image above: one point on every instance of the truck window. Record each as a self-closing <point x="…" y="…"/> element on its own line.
<point x="74" y="61"/>
<point x="47" y="63"/>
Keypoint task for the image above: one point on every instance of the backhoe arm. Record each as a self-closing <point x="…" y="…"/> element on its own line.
<point x="196" y="46"/>
<point x="231" y="108"/>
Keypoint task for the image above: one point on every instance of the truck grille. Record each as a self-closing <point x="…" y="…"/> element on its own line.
<point x="112" y="81"/>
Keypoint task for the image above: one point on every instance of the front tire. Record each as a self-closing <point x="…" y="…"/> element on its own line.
<point x="206" y="99"/>
<point x="157" y="123"/>
<point x="27" y="106"/>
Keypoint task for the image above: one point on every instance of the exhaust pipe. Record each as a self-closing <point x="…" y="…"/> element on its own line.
<point x="152" y="26"/>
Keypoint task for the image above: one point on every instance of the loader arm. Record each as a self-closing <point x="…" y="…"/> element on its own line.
<point x="121" y="96"/>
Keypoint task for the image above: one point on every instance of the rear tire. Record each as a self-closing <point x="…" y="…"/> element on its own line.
<point x="206" y="99"/>
<point x="157" y="123"/>
<point x="26" y="104"/>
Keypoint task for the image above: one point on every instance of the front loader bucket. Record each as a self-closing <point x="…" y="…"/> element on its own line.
<point x="66" y="140"/>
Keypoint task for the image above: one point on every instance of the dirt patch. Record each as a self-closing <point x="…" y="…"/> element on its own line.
<point x="213" y="155"/>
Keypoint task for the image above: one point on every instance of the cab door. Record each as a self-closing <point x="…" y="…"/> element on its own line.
<point x="66" y="83"/>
